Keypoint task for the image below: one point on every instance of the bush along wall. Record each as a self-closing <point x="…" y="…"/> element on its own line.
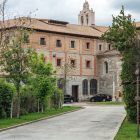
<point x="55" y="98"/>
<point x="28" y="101"/>
<point x="6" y="91"/>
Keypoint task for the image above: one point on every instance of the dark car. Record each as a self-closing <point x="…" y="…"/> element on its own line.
<point x="68" y="98"/>
<point x="101" y="98"/>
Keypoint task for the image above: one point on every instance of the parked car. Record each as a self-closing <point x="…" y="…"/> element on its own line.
<point x="101" y="98"/>
<point x="68" y="98"/>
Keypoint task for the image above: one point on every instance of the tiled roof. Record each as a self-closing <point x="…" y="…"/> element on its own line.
<point x="59" y="27"/>
<point x="100" y="28"/>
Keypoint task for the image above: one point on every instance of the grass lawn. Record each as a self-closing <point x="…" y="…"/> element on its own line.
<point x="107" y="103"/>
<point x="128" y="131"/>
<point x="34" y="116"/>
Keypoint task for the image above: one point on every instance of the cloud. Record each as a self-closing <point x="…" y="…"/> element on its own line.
<point x="68" y="10"/>
<point x="129" y="5"/>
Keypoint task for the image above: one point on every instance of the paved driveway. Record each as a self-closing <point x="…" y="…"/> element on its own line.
<point x="91" y="123"/>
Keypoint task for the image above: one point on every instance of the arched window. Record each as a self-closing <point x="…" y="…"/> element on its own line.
<point x="93" y="86"/>
<point x="82" y="20"/>
<point x="85" y="87"/>
<point x="87" y="19"/>
<point x="105" y="67"/>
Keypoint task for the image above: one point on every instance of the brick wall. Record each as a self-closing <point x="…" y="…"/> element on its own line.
<point x="79" y="51"/>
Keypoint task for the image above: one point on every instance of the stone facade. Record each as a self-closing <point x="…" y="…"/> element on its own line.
<point x="114" y="69"/>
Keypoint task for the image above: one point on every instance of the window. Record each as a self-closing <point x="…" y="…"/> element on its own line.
<point x="73" y="63"/>
<point x="72" y="44"/>
<point x="82" y="20"/>
<point x="87" y="19"/>
<point x="88" y="64"/>
<point x="67" y="96"/>
<point x="7" y="41"/>
<point x="100" y="47"/>
<point x="98" y="95"/>
<point x="105" y="67"/>
<point x="26" y="39"/>
<point x="85" y="87"/>
<point x="109" y="47"/>
<point x="58" y="43"/>
<point x="42" y="41"/>
<point x="93" y="86"/>
<point x="58" y="62"/>
<point x="88" y="45"/>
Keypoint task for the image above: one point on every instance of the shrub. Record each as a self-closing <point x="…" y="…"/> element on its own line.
<point x="6" y="91"/>
<point x="28" y="101"/>
<point x="55" y="98"/>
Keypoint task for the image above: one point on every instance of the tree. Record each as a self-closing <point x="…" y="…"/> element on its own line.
<point x="3" y="31"/>
<point x="44" y="77"/>
<point x="17" y="55"/>
<point x="123" y="36"/>
<point x="67" y="71"/>
<point x="14" y="31"/>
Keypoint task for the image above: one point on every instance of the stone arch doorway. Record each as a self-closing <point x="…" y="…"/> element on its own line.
<point x="93" y="86"/>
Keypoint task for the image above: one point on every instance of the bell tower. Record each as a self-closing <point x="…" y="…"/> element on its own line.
<point x="86" y="16"/>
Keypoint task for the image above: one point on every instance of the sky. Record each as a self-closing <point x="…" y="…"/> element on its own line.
<point x="68" y="10"/>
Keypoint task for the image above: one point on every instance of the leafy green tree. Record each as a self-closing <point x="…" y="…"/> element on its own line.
<point x="17" y="55"/>
<point x="4" y="33"/>
<point x="123" y="36"/>
<point x="45" y="79"/>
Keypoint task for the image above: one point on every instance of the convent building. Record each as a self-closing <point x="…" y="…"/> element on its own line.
<point x="96" y="65"/>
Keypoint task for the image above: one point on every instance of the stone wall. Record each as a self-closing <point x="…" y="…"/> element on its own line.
<point x="78" y="81"/>
<point x="106" y="79"/>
